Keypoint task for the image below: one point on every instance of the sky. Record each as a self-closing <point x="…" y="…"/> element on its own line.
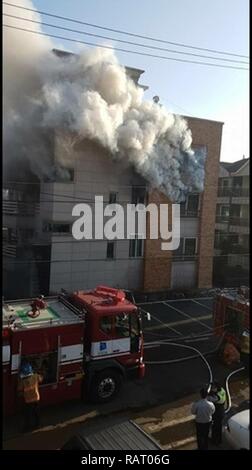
<point x="188" y="89"/>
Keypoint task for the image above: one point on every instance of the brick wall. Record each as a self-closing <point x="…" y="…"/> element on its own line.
<point x="157" y="263"/>
<point x="207" y="133"/>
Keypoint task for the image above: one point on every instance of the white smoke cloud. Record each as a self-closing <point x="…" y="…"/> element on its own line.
<point x="90" y="96"/>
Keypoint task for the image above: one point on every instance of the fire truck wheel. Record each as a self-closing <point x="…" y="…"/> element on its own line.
<point x="105" y="385"/>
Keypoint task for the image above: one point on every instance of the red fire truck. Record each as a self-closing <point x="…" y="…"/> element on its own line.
<point x="84" y="344"/>
<point x="231" y="317"/>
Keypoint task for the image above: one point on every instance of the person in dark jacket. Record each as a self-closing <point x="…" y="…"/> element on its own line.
<point x="219" y="397"/>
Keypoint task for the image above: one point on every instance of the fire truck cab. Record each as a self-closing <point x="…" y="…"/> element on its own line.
<point x="84" y="344"/>
<point x="231" y="317"/>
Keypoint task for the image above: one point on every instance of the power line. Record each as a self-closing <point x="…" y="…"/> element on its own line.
<point x="125" y="50"/>
<point x="125" y="42"/>
<point x="126" y="32"/>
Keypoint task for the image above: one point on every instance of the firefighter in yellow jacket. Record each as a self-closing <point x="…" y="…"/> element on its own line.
<point x="29" y="386"/>
<point x="219" y="397"/>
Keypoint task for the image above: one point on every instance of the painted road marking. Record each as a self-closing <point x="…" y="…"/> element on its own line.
<point x="173" y="300"/>
<point x="202" y="305"/>
<point x="177" y="323"/>
<point x="151" y="346"/>
<point x="158" y="327"/>
<point x="162" y="323"/>
<point x="205" y="317"/>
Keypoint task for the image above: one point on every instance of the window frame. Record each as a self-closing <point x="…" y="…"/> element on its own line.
<point x="49" y="227"/>
<point x="184" y="246"/>
<point x="111" y="323"/>
<point x="42" y="356"/>
<point x="135" y="242"/>
<point x="138" y="198"/>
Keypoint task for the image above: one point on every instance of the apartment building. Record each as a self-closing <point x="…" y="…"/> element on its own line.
<point x="232" y="224"/>
<point x="41" y="255"/>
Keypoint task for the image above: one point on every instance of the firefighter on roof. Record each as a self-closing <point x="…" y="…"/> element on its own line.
<point x="37" y="305"/>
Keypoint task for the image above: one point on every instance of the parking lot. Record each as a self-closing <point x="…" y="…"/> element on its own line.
<point x="175" y="318"/>
<point x="186" y="321"/>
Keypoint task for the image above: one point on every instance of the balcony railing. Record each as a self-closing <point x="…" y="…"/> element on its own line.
<point x="189" y="213"/>
<point x="10" y="250"/>
<point x="233" y="249"/>
<point x="183" y="257"/>
<point x="242" y="221"/>
<point x="224" y="219"/>
<point x="22" y="208"/>
<point x="233" y="192"/>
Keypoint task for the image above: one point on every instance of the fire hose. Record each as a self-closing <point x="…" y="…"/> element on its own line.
<point x="199" y="354"/>
<point x="227" y="387"/>
<point x="171" y="361"/>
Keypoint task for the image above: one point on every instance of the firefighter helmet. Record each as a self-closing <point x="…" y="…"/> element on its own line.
<point x="26" y="370"/>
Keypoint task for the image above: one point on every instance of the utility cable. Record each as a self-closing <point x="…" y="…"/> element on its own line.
<point x="42" y="23"/>
<point x="125" y="32"/>
<point x="209" y="64"/>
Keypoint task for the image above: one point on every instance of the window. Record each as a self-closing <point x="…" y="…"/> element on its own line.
<point x="138" y="195"/>
<point x="45" y="364"/>
<point x="59" y="227"/>
<point x="187" y="248"/>
<point x="122" y="325"/>
<point x="193" y="205"/>
<point x="5" y="234"/>
<point x="182" y="208"/>
<point x="190" y="207"/>
<point x="224" y="211"/>
<point x="106" y="324"/>
<point x="234" y="320"/>
<point x="26" y="234"/>
<point x="112" y="198"/>
<point x="190" y="246"/>
<point x="110" y="250"/>
<point x="134" y="325"/>
<point x="179" y="251"/>
<point x="237" y="182"/>
<point x="136" y="248"/>
<point x="224" y="183"/>
<point x="60" y="175"/>
<point x="9" y="235"/>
